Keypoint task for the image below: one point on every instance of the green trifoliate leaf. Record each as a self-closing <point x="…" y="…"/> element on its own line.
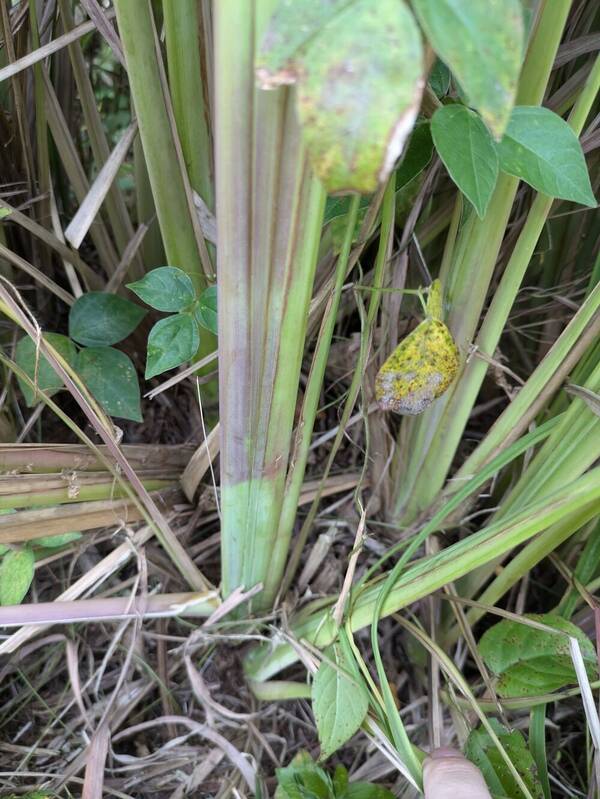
<point x="543" y="150"/>
<point x="468" y="152"/>
<point x="206" y="310"/>
<point x="171" y="342"/>
<point x="30" y="359"/>
<point x="417" y="156"/>
<point x="99" y="319"/>
<point x="111" y="377"/>
<point x="16" y="574"/>
<point x="166" y="289"/>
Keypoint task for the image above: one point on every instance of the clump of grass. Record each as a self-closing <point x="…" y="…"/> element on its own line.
<point x="208" y="558"/>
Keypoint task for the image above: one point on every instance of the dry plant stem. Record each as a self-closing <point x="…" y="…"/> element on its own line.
<point x="33" y="458"/>
<point x="340" y="605"/>
<point x="97" y="575"/>
<point x="157" y="606"/>
<point x="46" y="50"/>
<point x="31" y="491"/>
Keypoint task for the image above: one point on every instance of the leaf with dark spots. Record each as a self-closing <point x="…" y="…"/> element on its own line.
<point x="529" y="661"/>
<point x="290" y="28"/>
<point x="359" y="92"/>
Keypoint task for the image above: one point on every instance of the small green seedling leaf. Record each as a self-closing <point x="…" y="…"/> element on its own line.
<point x="468" y="152"/>
<point x="359" y="89"/>
<point x="16" y="574"/>
<point x="482" y="43"/>
<point x="528" y="661"/>
<point x="417" y="156"/>
<point x="439" y="79"/>
<point x="31" y="795"/>
<point x="290" y="28"/>
<point x="543" y="150"/>
<point x="206" y="310"/>
<point x="481" y="750"/>
<point x="60" y="540"/>
<point x="171" y="342"/>
<point x="166" y="289"/>
<point x="111" y="377"/>
<point x="99" y="319"/>
<point x="303" y="779"/>
<point x="339" y="700"/>
<point x="28" y="359"/>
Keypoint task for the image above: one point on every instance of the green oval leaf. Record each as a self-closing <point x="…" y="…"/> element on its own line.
<point x="16" y="574"/>
<point x="543" y="150"/>
<point x="59" y="540"/>
<point x="483" y="44"/>
<point x="481" y="750"/>
<point x="528" y="661"/>
<point x="339" y="700"/>
<point x="166" y="289"/>
<point x="468" y="153"/>
<point x="98" y="319"/>
<point x="359" y="89"/>
<point x="206" y="310"/>
<point x="303" y="778"/>
<point x="439" y="79"/>
<point x="28" y="359"/>
<point x="171" y="342"/>
<point x="111" y="377"/>
<point x="417" y="156"/>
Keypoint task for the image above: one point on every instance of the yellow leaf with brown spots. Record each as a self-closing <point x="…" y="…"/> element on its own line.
<point x="421" y="367"/>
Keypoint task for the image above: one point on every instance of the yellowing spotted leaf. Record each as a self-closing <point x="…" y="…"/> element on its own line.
<point x="421" y="367"/>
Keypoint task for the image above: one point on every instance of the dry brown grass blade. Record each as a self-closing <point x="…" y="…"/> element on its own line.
<point x="101" y="20"/>
<point x="97" y="752"/>
<point x="51" y="47"/>
<point x="129" y="254"/>
<point x="199" y="463"/>
<point x="156" y="606"/>
<point x="36" y="274"/>
<point x="89" y="208"/>
<point x="91" y="279"/>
